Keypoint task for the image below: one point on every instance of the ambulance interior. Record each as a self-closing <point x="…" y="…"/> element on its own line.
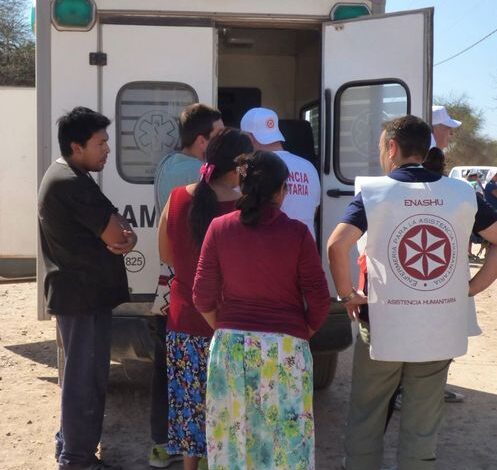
<point x="278" y="69"/>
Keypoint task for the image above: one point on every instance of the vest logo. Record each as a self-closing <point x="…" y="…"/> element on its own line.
<point x="270" y="123"/>
<point x="422" y="252"/>
<point x="423" y="202"/>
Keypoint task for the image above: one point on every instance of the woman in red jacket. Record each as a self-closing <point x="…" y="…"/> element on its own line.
<point x="182" y="228"/>
<point x="260" y="285"/>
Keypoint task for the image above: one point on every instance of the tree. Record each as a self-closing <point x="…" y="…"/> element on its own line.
<point x="468" y="147"/>
<point x="17" y="48"/>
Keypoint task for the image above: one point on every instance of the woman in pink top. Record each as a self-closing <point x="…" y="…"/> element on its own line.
<point x="182" y="228"/>
<point x="260" y="285"/>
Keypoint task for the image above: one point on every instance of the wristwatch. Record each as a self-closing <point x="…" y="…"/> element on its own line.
<point x="347" y="298"/>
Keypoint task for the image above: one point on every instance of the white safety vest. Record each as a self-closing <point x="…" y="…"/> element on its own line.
<point x="418" y="272"/>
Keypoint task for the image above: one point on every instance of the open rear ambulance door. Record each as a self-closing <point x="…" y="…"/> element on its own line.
<point x="374" y="69"/>
<point x="152" y="72"/>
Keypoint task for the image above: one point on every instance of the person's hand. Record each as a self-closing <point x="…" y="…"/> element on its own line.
<point x="125" y="247"/>
<point x="353" y="305"/>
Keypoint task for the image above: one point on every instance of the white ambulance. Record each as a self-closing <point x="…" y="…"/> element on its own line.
<point x="331" y="70"/>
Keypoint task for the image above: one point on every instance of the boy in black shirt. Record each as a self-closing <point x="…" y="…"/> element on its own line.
<point x="83" y="239"/>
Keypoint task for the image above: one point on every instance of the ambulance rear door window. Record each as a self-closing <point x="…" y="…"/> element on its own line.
<point x="147" y="126"/>
<point x="360" y="108"/>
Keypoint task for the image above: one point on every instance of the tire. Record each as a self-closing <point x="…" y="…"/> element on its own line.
<point x="61" y="360"/>
<point x="324" y="368"/>
<point x="334" y="335"/>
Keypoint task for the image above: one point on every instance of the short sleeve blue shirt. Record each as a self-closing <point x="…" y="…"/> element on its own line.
<point x="355" y="214"/>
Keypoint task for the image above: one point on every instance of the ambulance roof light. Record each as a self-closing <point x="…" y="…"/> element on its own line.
<point x="74" y="15"/>
<point x="347" y="11"/>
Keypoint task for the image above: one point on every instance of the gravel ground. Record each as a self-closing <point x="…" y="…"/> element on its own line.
<point x="29" y="398"/>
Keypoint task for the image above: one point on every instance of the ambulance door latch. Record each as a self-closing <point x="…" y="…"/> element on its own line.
<point x="98" y="58"/>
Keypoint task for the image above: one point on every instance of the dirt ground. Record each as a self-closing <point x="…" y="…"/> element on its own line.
<point x="29" y="398"/>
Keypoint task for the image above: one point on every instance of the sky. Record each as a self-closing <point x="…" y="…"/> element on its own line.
<point x="457" y="25"/>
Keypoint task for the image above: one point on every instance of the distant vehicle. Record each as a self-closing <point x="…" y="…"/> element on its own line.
<point x="461" y="172"/>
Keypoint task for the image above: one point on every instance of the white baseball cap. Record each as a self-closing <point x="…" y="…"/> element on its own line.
<point x="490" y="175"/>
<point x="262" y="123"/>
<point x="439" y="115"/>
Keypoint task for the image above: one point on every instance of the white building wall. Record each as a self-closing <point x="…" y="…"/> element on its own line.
<point x="18" y="172"/>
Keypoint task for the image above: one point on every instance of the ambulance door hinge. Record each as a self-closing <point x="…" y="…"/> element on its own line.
<point x="98" y="58"/>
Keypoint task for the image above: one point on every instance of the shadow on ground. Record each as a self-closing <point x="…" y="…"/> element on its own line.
<point x="126" y="437"/>
<point x="42" y="352"/>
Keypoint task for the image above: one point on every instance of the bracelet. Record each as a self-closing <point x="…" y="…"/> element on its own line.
<point x="347" y="298"/>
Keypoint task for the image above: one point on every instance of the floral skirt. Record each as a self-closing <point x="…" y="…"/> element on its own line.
<point x="259" y="402"/>
<point x="186" y="357"/>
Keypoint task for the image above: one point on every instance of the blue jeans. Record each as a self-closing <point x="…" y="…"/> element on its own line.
<point x="87" y="341"/>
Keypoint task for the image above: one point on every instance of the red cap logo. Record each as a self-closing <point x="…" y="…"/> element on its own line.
<point x="269" y="123"/>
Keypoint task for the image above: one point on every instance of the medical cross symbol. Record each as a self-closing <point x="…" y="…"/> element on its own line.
<point x="424" y="252"/>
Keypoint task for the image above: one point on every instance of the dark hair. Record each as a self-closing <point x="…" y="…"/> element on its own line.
<point x="435" y="161"/>
<point x="263" y="174"/>
<point x="411" y="133"/>
<point x="78" y="126"/>
<point x="196" y="119"/>
<point x="221" y="152"/>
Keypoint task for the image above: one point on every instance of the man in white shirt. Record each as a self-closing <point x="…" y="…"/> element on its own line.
<point x="443" y="127"/>
<point x="304" y="188"/>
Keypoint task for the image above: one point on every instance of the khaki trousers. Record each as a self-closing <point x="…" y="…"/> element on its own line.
<point x="373" y="384"/>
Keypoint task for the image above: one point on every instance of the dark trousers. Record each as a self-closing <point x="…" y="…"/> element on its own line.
<point x="159" y="407"/>
<point x="86" y="340"/>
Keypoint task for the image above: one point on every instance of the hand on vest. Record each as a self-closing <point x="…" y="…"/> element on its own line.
<point x="353" y="305"/>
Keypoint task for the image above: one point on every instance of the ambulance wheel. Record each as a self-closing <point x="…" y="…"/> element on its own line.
<point x="60" y="358"/>
<point x="324" y="368"/>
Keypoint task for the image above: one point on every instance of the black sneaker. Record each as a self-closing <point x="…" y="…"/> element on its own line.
<point x="101" y="465"/>
<point x="97" y="464"/>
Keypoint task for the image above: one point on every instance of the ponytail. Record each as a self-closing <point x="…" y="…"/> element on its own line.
<point x="262" y="175"/>
<point x="220" y="159"/>
<point x="435" y="161"/>
<point x="202" y="211"/>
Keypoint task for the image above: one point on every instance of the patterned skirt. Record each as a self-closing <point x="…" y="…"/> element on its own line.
<point x="186" y="357"/>
<point x="259" y="402"/>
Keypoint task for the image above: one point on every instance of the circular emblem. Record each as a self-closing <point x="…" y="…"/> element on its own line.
<point x="365" y="132"/>
<point x="423" y="252"/>
<point x="134" y="261"/>
<point x="270" y="124"/>
<point x="156" y="133"/>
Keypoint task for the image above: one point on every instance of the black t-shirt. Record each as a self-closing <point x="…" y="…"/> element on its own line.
<point x="82" y="275"/>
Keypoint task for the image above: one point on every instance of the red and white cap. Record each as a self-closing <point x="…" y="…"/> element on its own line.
<point x="439" y="115"/>
<point x="262" y="123"/>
